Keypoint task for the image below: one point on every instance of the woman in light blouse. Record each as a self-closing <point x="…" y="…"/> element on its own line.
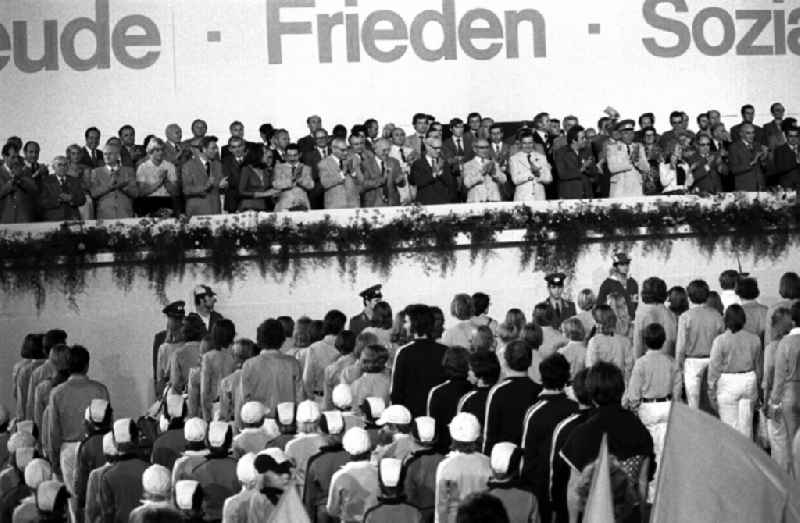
<point x="255" y="184"/>
<point x="675" y="173"/>
<point x="157" y="181"/>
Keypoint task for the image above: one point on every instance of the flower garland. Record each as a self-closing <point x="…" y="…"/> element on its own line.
<point x="552" y="238"/>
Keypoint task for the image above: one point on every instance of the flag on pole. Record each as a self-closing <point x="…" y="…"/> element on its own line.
<point x="711" y="472"/>
<point x="600" y="504"/>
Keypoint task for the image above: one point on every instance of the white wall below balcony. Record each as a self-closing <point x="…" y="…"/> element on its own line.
<point x="118" y="327"/>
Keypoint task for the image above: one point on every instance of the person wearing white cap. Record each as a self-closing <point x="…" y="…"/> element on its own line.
<point x="194" y="432"/>
<point x="374" y="381"/>
<point x="12" y="497"/>
<point x="252" y="438"/>
<point x="308" y="440"/>
<point x="519" y="501"/>
<point x="217" y="474"/>
<point x="322" y="465"/>
<point x="275" y="469"/>
<point x="236" y="506"/>
<point x="392" y="506"/>
<point x="371" y="409"/>
<point x="121" y="485"/>
<point x="345" y="343"/>
<point x="10" y="476"/>
<point x="395" y="423"/>
<point x="93" y="513"/>
<point x="169" y="445"/>
<point x="97" y="419"/>
<point x="420" y="467"/>
<point x="464" y="471"/>
<point x="354" y="487"/>
<point x="52" y="501"/>
<point x="189" y="500"/>
<point x="36" y="472"/>
<point x="156" y="503"/>
<point x="230" y="387"/>
<point x="343" y="402"/>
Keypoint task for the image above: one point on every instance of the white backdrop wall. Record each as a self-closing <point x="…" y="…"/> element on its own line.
<point x="118" y="327"/>
<point x="67" y="65"/>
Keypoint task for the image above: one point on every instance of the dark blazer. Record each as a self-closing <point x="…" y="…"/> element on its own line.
<point x="443" y="405"/>
<point x="374" y="189"/>
<point x="787" y="167"/>
<point x="394" y="175"/>
<point x="546" y="143"/>
<point x="249" y="183"/>
<point x="316" y="196"/>
<point x="132" y="158"/>
<point x="86" y="160"/>
<point x="432" y="190"/>
<point x="759" y="138"/>
<point x="54" y="210"/>
<point x="232" y="170"/>
<point x="417" y="369"/>
<point x="506" y="406"/>
<point x="449" y="149"/>
<point x="567" y="311"/>
<point x="572" y="182"/>
<point x="746" y="177"/>
<point x="194" y="178"/>
<point x="707" y="173"/>
<point x="252" y="152"/>
<point x="306" y="144"/>
<point x="17" y="197"/>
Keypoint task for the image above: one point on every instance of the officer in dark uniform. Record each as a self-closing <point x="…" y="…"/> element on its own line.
<point x="619" y="282"/>
<point x="560" y="307"/>
<point x="174" y="312"/>
<point x="371" y="297"/>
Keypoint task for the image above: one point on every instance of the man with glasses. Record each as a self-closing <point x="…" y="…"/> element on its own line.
<point x="707" y="167"/>
<point x="432" y="177"/>
<point x="341" y="177"/>
<point x="748" y="115"/>
<point x="312" y="158"/>
<point x="529" y="169"/>
<point x="60" y="195"/>
<point x="746" y="159"/>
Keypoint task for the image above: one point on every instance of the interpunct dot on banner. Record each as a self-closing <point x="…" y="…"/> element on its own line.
<point x="594" y="29"/>
<point x="214" y="36"/>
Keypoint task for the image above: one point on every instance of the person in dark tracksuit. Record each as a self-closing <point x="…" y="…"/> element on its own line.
<point x="443" y="399"/>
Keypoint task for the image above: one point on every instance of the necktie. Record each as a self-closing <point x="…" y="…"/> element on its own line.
<point x="61" y="182"/>
<point x="294" y="171"/>
<point x="208" y="169"/>
<point x="530" y="161"/>
<point x="422" y="149"/>
<point x="460" y="149"/>
<point x="497" y="149"/>
<point x="558" y="308"/>
<point x="402" y="155"/>
<point x="94" y="156"/>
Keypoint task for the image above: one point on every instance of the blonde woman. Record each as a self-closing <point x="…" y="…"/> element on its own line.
<point x="607" y="344"/>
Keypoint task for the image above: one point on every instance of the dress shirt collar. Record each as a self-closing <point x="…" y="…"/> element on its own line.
<point x="269" y="352"/>
<point x="695" y="305"/>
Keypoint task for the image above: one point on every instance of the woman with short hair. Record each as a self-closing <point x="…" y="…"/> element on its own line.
<point x="157" y="181"/>
<point x="459" y="335"/>
<point x="607" y="345"/>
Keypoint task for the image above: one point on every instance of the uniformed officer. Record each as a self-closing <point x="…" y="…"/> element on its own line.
<point x="156" y="504"/>
<point x="235" y="508"/>
<point x="354" y="487"/>
<point x="169" y="445"/>
<point x="519" y="502"/>
<point x="322" y="465"/>
<point x="217" y="474"/>
<point x="626" y="162"/>
<point x="392" y="506"/>
<point x="307" y="442"/>
<point x="121" y="485"/>
<point x="371" y="296"/>
<point x="37" y="472"/>
<point x="194" y="432"/>
<point x="619" y="282"/>
<point x="561" y="307"/>
<point x="419" y="484"/>
<point x="252" y="439"/>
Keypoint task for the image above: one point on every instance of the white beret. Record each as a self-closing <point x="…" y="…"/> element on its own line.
<point x="252" y="412"/>
<point x="245" y="470"/>
<point x="96" y="411"/>
<point x="174" y="405"/>
<point x="218" y="433"/>
<point x="396" y="415"/>
<point x="389" y="470"/>
<point x="109" y="446"/>
<point x="271" y="428"/>
<point x="501" y="456"/>
<point x="376" y="406"/>
<point x="47" y="494"/>
<point x="307" y="412"/>
<point x="276" y="454"/>
<point x="286" y="413"/>
<point x="356" y="441"/>
<point x="334" y="421"/>
<point x="426" y="428"/>
<point x="122" y="431"/>
<point x="37" y="471"/>
<point x="184" y="493"/>
<point x="465" y="428"/>
<point x="157" y="480"/>
<point x="20" y="440"/>
<point x="342" y="396"/>
<point x="194" y="430"/>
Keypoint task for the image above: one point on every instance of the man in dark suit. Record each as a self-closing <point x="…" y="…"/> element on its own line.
<point x="431" y="176"/>
<point x="32" y="166"/>
<point x="232" y="164"/>
<point x="175" y="313"/>
<point x="60" y="195"/>
<point x="205" y="299"/>
<point x="130" y="154"/>
<point x="707" y="167"/>
<point x="459" y="146"/>
<point x="574" y="166"/>
<point x="307" y="143"/>
<point x="746" y="160"/>
<point x="748" y="115"/>
<point x="787" y="160"/>
<point x="252" y="149"/>
<point x="18" y="192"/>
<point x="91" y="155"/>
<point x="319" y="152"/>
<point x="199" y="130"/>
<point x="773" y="131"/>
<point x="541" y="134"/>
<point x="561" y="307"/>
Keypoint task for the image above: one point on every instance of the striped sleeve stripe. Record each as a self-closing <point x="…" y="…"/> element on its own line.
<point x="430" y="396"/>
<point x="394" y="366"/>
<point x="489" y="399"/>
<point x="464" y="400"/>
<point x="554" y="440"/>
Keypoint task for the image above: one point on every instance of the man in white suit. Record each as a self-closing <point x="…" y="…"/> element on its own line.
<point x="529" y="170"/>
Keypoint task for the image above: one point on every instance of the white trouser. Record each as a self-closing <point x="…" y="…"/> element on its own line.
<point x="654" y="416"/>
<point x="736" y="394"/>
<point x="68" y="460"/>
<point x="693" y="369"/>
<point x="778" y="442"/>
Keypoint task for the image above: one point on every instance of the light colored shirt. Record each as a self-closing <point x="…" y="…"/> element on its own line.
<point x="354" y="490"/>
<point x="654" y="375"/>
<point x="648" y="313"/>
<point x="755" y="317"/>
<point x="457" y="476"/>
<point x="734" y="353"/>
<point x="149" y="174"/>
<point x="214" y="365"/>
<point x="787" y="358"/>
<point x="728" y="298"/>
<point x="184" y="359"/>
<point x="552" y="340"/>
<point x="697" y="329"/>
<point x="333" y="374"/>
<point x="369" y="384"/>
<point x="320" y="355"/>
<point x="68" y="402"/>
<point x="300" y="449"/>
<point x="460" y="334"/>
<point x="614" y="349"/>
<point x="575" y="353"/>
<point x="272" y="378"/>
